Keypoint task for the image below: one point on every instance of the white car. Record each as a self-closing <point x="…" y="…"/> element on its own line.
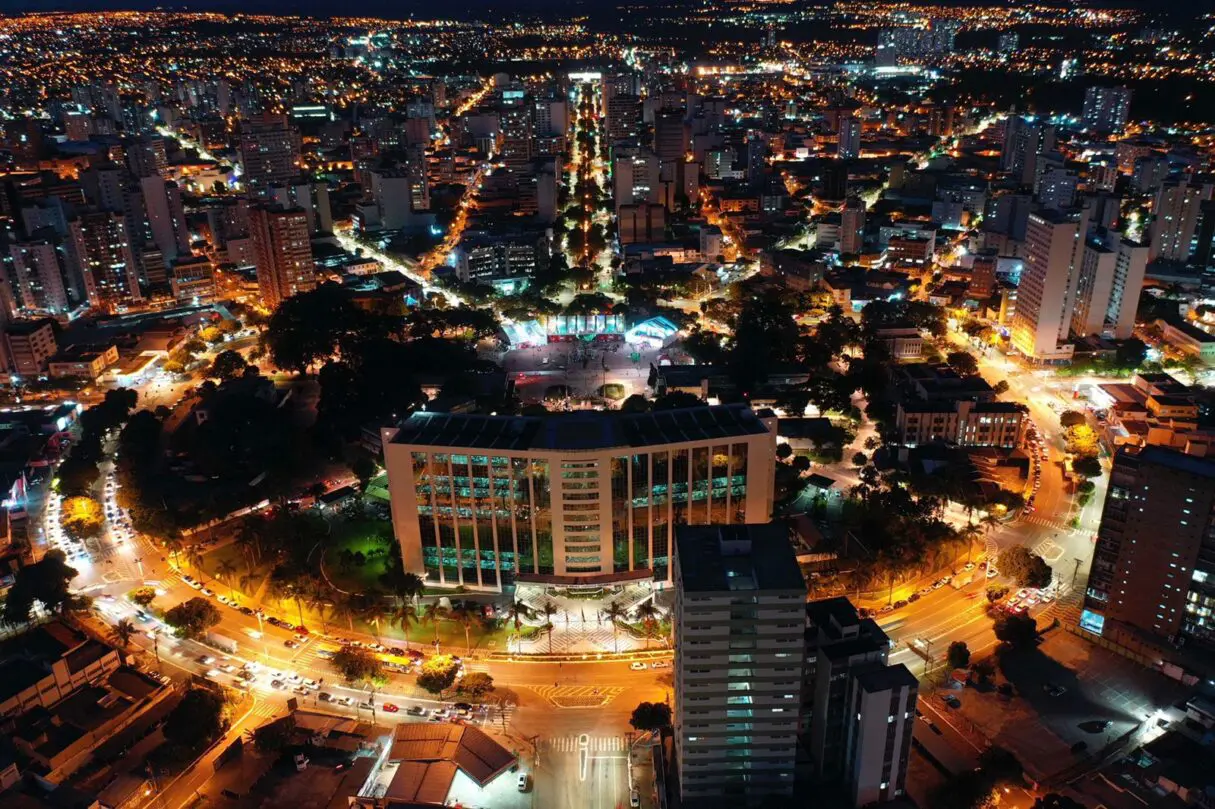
<point x="637" y="665"/>
<point x="661" y="664"/>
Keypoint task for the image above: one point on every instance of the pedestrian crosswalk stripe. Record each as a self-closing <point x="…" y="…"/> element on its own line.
<point x="594" y="744"/>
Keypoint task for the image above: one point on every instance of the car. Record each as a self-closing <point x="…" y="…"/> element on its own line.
<point x="303" y="692"/>
<point x="914" y="597"/>
<point x="397" y="651"/>
<point x="228" y="667"/>
<point x="367" y="706"/>
<point x="1020" y="609"/>
<point x="938" y="584"/>
<point x="925" y="590"/>
<point x="213" y="673"/>
<point x="325" y="654"/>
<point x="247" y="611"/>
<point x="278" y="685"/>
<point x="1022" y="594"/>
<point x="301" y="639"/>
<point x="325" y="696"/>
<point x="951" y="700"/>
<point x="389" y="707"/>
<point x="634" y="799"/>
<point x="206" y="660"/>
<point x="439" y="715"/>
<point x="347" y="701"/>
<point x="1047" y="598"/>
<point x="309" y="683"/>
<point x="417" y="710"/>
<point x="290" y="644"/>
<point x="523" y="782"/>
<point x="208" y="592"/>
<point x="898" y="605"/>
<point x="1054" y="690"/>
<point x="992" y="572"/>
<point x="142" y="616"/>
<point x="661" y="664"/>
<point x="969" y="566"/>
<point x="295" y="678"/>
<point x="223" y="599"/>
<point x="946" y="580"/>
<point x="194" y="584"/>
<point x="274" y="621"/>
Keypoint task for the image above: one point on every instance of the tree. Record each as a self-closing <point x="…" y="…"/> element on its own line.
<point x="1025" y="567"/>
<point x="1089" y="467"/>
<point x="191" y="619"/>
<point x="963" y="362"/>
<point x="196" y="721"/>
<point x="958" y="655"/>
<point x="82" y="517"/>
<point x="437" y="674"/>
<point x="651" y="716"/>
<point x="45" y="582"/>
<point x="465" y="616"/>
<point x="76" y="475"/>
<point x="433" y="615"/>
<point x="364" y="469"/>
<point x="615" y="613"/>
<point x="273" y="737"/>
<point x="1072" y="418"/>
<point x="1000" y="387"/>
<point x="677" y="400"/>
<point x="783" y="451"/>
<point x="122" y="633"/>
<point x="517" y="611"/>
<point x="635" y="404"/>
<point x="227" y="365"/>
<point x="358" y="665"/>
<point x="142" y="596"/>
<point x="859" y="459"/>
<point x="1016" y="630"/>
<point x="1131" y="353"/>
<point x="477" y="685"/>
<point x="995" y="592"/>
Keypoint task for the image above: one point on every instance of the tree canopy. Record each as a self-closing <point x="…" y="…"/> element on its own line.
<point x="651" y="716"/>
<point x="192" y="619"/>
<point x="45" y="582"/>
<point x="438" y="673"/>
<point x="358" y="665"/>
<point x="1025" y="567"/>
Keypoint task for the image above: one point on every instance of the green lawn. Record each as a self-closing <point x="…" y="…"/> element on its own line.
<point x="359" y="537"/>
<point x="377" y="488"/>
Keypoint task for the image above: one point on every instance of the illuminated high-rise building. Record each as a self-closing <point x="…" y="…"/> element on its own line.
<point x="269" y="152"/>
<point x="282" y="252"/>
<point x="99" y="245"/>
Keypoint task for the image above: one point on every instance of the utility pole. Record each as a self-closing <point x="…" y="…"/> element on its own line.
<point x="1076" y="570"/>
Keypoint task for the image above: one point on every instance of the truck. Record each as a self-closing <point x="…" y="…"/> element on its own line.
<point x="221" y="642"/>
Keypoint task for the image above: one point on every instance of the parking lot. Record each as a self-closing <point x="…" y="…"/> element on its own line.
<point x="1070" y="699"/>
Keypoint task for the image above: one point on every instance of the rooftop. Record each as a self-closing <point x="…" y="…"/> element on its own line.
<point x="722" y="558"/>
<point x="885" y="678"/>
<point x="583" y="430"/>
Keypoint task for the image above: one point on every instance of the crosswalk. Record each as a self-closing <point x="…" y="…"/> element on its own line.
<point x="1046" y="522"/>
<point x="594" y="744"/>
<point x="577" y="696"/>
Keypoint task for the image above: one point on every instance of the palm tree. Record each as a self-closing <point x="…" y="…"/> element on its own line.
<point x="549" y="609"/>
<point x="433" y="614"/>
<point x="174" y="546"/>
<point x="373" y="610"/>
<point x="411" y="586"/>
<point x="517" y="611"/>
<point x="194" y="558"/>
<point x="122" y="633"/>
<point x="406" y="615"/>
<point x="465" y="617"/>
<point x="614" y="613"/>
<point x="970" y="533"/>
<point x="344" y="606"/>
<point x="647" y="614"/>
<point x="318" y="602"/>
<point x="224" y="571"/>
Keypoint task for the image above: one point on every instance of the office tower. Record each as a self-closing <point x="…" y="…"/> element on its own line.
<point x="738" y="622"/>
<point x="1094" y="285"/>
<point x="1154" y="565"/>
<point x="552" y="116"/>
<point x="850" y="138"/>
<point x="1023" y="142"/>
<point x="1047" y="288"/>
<point x="852" y="227"/>
<point x="100" y="247"/>
<point x="166" y="216"/>
<point x="269" y="152"/>
<point x="282" y="253"/>
<point x="835" y="181"/>
<point x="634" y="175"/>
<point x="1149" y="173"/>
<point x="105" y="186"/>
<point x="1057" y="189"/>
<point x="599" y="504"/>
<point x="670" y="136"/>
<point x="642" y="222"/>
<point x="983" y="275"/>
<point x="623" y="118"/>
<point x="1204" y="239"/>
<point x="392" y="191"/>
<point x="1130" y="266"/>
<point x="1175" y="219"/>
<point x="517" y="130"/>
<point x="313" y="198"/>
<point x="1106" y="109"/>
<point x="146" y="156"/>
<point x="40" y="275"/>
<point x="857" y="712"/>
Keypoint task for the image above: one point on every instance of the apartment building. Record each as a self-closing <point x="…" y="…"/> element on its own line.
<point x="962" y="423"/>
<point x="739" y="621"/>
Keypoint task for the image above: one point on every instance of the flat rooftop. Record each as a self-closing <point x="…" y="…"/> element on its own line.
<point x="724" y="558"/>
<point x="583" y="430"/>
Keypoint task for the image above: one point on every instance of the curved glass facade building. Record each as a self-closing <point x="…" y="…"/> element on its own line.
<point x="574" y="498"/>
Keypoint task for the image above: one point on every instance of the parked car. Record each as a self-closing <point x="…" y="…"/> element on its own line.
<point x="523" y="782"/>
<point x="389" y="707"/>
<point x="661" y="664"/>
